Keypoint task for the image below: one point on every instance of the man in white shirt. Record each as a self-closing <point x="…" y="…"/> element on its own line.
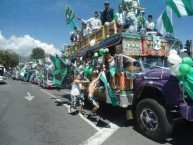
<point x="150" y="26"/>
<point x="94" y="23"/>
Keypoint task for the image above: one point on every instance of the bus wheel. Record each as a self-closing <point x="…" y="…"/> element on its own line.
<point x="153" y="120"/>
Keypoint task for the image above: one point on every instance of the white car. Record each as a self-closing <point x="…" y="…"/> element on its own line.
<point x="1" y="74"/>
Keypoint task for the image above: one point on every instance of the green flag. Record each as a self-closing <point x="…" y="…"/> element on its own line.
<point x="69" y="14"/>
<point x="164" y="23"/>
<point x="115" y="101"/>
<point x="73" y="24"/>
<point x="61" y="70"/>
<point x="52" y="58"/>
<point x="27" y="75"/>
<point x="181" y="7"/>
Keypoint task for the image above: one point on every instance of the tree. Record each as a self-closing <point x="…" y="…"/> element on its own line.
<point x="37" y="53"/>
<point x="9" y="59"/>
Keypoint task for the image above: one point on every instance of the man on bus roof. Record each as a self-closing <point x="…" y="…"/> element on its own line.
<point x="108" y="18"/>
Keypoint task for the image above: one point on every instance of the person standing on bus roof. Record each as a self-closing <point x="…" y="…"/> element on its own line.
<point x="94" y="23"/>
<point x="150" y="26"/>
<point x="121" y="18"/>
<point x="108" y="18"/>
<point x="130" y="7"/>
<point x="141" y="21"/>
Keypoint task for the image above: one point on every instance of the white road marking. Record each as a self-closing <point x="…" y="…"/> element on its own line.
<point x="29" y="97"/>
<point x="48" y="93"/>
<point x="68" y="107"/>
<point x="58" y="100"/>
<point x="104" y="133"/>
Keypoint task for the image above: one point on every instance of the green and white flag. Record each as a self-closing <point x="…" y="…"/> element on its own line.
<point x="60" y="71"/>
<point x="69" y="14"/>
<point x="164" y="23"/>
<point x="111" y="94"/>
<point x="181" y="7"/>
<point x="52" y="58"/>
<point x="73" y="24"/>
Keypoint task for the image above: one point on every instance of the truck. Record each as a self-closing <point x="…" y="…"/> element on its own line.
<point x="143" y="78"/>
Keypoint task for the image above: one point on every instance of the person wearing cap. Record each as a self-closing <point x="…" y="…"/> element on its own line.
<point x="108" y="18"/>
<point x="150" y="26"/>
<point x="121" y="18"/>
<point x="141" y="20"/>
<point x="94" y="23"/>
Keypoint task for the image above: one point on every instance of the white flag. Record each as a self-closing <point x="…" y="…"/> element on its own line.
<point x="181" y="7"/>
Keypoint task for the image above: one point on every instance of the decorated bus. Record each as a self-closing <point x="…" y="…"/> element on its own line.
<point x="143" y="78"/>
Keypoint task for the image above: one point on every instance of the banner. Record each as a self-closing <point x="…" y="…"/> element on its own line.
<point x="111" y="94"/>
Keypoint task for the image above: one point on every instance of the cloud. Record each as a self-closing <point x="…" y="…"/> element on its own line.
<point x="24" y="45"/>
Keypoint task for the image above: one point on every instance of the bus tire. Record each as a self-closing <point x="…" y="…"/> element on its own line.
<point x="153" y="119"/>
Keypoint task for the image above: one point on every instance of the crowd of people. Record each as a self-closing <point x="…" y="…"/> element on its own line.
<point x="86" y="83"/>
<point x="129" y="18"/>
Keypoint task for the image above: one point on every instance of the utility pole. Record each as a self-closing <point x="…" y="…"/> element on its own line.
<point x="191" y="49"/>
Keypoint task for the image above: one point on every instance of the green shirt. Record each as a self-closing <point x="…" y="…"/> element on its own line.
<point x="140" y="21"/>
<point x="131" y="5"/>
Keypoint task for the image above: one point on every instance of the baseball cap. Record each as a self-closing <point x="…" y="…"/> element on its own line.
<point x="106" y="2"/>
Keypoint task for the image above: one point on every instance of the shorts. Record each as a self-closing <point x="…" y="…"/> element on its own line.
<point x="110" y="23"/>
<point x="75" y="100"/>
<point x="112" y="71"/>
<point x="93" y="101"/>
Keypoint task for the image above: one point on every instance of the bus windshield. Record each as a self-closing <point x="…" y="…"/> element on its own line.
<point x="149" y="62"/>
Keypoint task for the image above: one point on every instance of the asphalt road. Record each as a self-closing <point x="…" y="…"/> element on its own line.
<point x="42" y="119"/>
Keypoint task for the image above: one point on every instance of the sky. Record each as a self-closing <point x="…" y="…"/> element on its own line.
<point x="26" y="24"/>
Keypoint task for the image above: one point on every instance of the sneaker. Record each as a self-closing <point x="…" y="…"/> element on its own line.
<point x="107" y="36"/>
<point x="72" y="110"/>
